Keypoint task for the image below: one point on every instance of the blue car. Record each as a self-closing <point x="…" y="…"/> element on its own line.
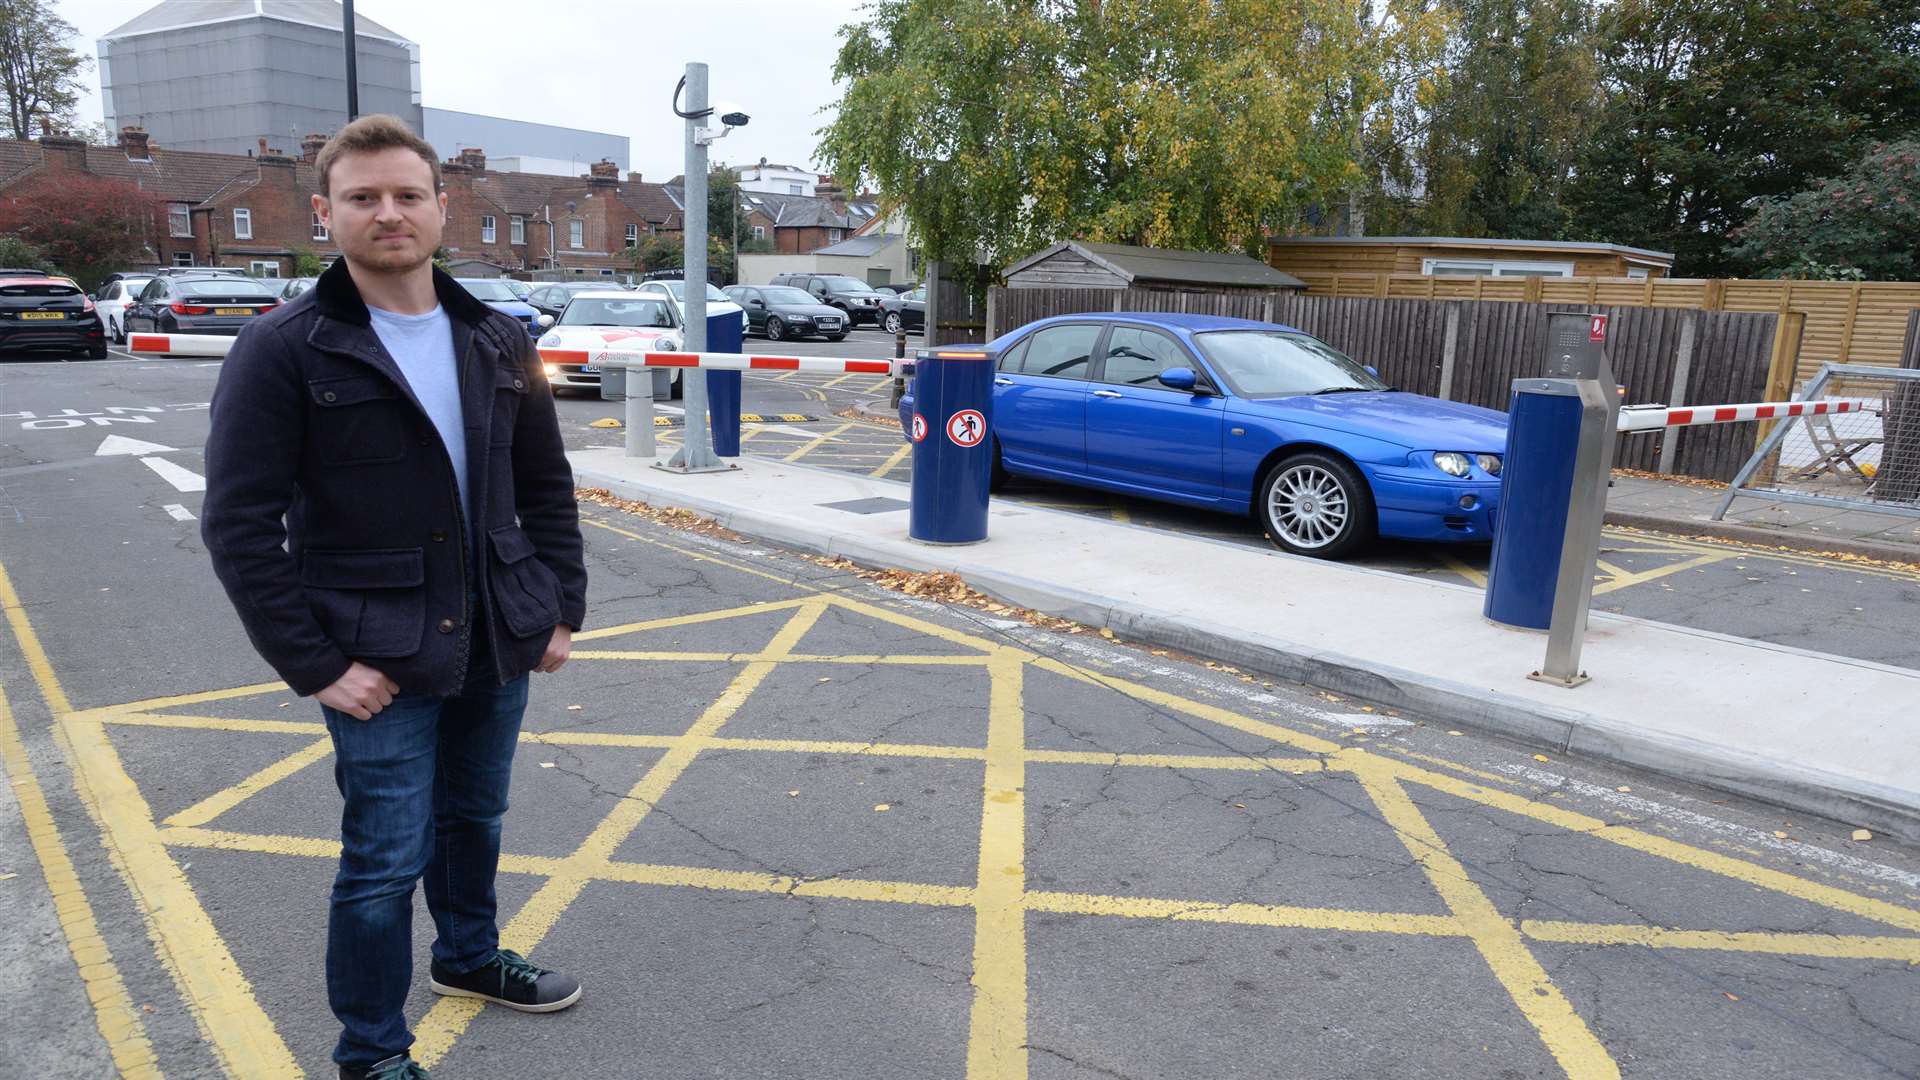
<point x="500" y="296"/>
<point x="1244" y="417"/>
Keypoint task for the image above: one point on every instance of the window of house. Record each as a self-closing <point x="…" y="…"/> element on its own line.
<point x="833" y="236"/>
<point x="606" y="272"/>
<point x="242" y="223"/>
<point x="759" y="232"/>
<point x="516" y="228"/>
<point x="264" y="268"/>
<point x="633" y="236"/>
<point x="179" y="221"/>
<point x="487" y="224"/>
<point x="1495" y="268"/>
<point x="319" y="228"/>
<point x="577" y="234"/>
<point x="183" y="258"/>
<point x="1637" y="273"/>
<point x="795" y="187"/>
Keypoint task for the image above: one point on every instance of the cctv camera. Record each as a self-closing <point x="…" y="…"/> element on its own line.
<point x="732" y="115"/>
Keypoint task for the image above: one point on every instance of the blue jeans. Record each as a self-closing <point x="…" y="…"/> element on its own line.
<point x="425" y="783"/>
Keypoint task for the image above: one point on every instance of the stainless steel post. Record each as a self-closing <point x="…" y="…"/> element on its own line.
<point x="1580" y="544"/>
<point x="640" y="413"/>
<point x="696" y="447"/>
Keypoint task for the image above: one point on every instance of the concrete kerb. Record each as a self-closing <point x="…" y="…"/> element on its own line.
<point x="1565" y="730"/>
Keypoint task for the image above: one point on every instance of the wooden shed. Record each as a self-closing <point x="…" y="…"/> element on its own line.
<point x="1464" y="256"/>
<point x="1079" y="264"/>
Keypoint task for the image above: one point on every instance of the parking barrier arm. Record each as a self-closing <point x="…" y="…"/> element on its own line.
<point x="1658" y="417"/>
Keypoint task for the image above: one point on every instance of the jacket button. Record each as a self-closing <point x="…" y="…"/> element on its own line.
<point x="446" y="626"/>
<point x="439" y="536"/>
<point x="519" y="384"/>
<point x="328" y="396"/>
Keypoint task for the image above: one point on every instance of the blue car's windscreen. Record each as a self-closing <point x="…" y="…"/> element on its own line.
<point x="1271" y="363"/>
<point x="497" y="291"/>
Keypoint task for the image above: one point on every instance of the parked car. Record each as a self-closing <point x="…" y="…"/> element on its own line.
<point x="895" y="288"/>
<point x="675" y="293"/>
<point x="608" y="318"/>
<point x="112" y="301"/>
<point x="201" y="271"/>
<point x="781" y="312"/>
<point x="41" y="311"/>
<point x="295" y="286"/>
<point x="907" y="311"/>
<point x="212" y="304"/>
<point x="1244" y="417"/>
<point x="550" y="298"/>
<point x="520" y="288"/>
<point x="494" y="293"/>
<point x="849" y="294"/>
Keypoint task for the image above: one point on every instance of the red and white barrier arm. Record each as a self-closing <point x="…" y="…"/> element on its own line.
<point x="828" y="365"/>
<point x="180" y="344"/>
<point x="1656" y="417"/>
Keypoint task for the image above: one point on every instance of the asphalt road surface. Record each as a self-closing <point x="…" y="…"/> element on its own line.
<point x="785" y="823"/>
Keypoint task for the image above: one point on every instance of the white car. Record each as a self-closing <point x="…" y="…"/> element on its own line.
<point x="600" y="319"/>
<point x="675" y="292"/>
<point x="112" y="302"/>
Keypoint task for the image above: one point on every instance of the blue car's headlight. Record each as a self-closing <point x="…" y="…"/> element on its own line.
<point x="1453" y="464"/>
<point x="1489" y="463"/>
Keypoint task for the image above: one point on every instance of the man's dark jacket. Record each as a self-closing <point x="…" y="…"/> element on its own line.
<point x="374" y="561"/>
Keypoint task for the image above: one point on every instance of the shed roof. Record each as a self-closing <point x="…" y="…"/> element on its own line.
<point x="1481" y="242"/>
<point x="1137" y="264"/>
<point x="860" y="245"/>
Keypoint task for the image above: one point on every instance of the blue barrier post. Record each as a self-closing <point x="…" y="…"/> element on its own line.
<point x="723" y="387"/>
<point x="1536" y="490"/>
<point x="952" y="444"/>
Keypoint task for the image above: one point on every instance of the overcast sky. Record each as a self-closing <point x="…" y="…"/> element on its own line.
<point x="603" y="65"/>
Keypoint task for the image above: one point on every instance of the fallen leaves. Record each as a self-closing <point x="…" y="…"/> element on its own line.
<point x="1542" y="757"/>
<point x="881" y="808"/>
<point x="671" y="517"/>
<point x="1862" y="835"/>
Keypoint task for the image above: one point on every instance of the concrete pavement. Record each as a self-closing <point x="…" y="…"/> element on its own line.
<point x="1818" y="733"/>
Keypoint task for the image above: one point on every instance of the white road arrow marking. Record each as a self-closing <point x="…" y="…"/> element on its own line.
<point x="182" y="479"/>
<point x="120" y="444"/>
<point x="178" y="512"/>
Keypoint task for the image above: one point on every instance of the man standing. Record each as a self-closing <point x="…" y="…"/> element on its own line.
<point x="390" y="509"/>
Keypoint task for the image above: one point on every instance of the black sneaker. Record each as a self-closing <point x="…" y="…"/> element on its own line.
<point x="508" y="979"/>
<point x="397" y="1067"/>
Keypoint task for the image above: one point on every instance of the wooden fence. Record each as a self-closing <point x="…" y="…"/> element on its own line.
<point x="1472" y="352"/>
<point x="1848" y="322"/>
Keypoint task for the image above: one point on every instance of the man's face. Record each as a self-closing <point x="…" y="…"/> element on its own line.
<point x="383" y="212"/>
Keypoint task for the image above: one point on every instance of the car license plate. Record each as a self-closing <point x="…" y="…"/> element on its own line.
<point x="233" y="310"/>
<point x="585" y="369"/>
<point x="43" y="315"/>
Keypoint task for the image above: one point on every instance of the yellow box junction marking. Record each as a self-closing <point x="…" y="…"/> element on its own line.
<point x="997" y="1030"/>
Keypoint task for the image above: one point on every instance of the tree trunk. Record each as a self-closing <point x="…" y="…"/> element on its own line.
<point x="1357" y="211"/>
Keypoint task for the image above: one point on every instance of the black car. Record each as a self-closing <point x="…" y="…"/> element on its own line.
<point x="42" y="312"/>
<point x="211" y="304"/>
<point x="908" y="311"/>
<point x="780" y="312"/>
<point x="851" y="295"/>
<point x="551" y="297"/>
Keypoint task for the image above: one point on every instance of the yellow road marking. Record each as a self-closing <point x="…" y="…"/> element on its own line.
<point x="1742" y="551"/>
<point x="807" y="448"/>
<point x="208" y="723"/>
<point x="174" y="701"/>
<point x="1624" y="581"/>
<point x="1610" y="569"/>
<point x="1118" y="511"/>
<point x="449" y="1017"/>
<point x="997" y="1036"/>
<point x="1278" y="915"/>
<point x="694" y="619"/>
<point x="1478" y="578"/>
<point x="211" y="807"/>
<point x="698" y="556"/>
<point x="1838" y="946"/>
<point x="1312" y="744"/>
<point x="113" y="1012"/>
<point x="1176" y="761"/>
<point x="1565" y="1034"/>
<point x="909" y="660"/>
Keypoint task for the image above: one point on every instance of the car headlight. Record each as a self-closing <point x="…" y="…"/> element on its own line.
<point x="551" y="369"/>
<point x="667" y="344"/>
<point x="1452" y="464"/>
<point x="1489" y="463"/>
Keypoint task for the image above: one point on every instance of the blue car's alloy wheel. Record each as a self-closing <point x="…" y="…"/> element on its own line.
<point x="1315" y="504"/>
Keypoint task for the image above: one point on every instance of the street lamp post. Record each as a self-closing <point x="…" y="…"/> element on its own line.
<point x="696" y="447"/>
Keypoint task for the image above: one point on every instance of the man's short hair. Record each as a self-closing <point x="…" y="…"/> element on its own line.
<point x="371" y="134"/>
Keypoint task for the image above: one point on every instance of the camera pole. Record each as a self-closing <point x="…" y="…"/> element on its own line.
<point x="696" y="448"/>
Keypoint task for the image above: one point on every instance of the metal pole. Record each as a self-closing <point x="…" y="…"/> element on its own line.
<point x="353" y="70"/>
<point x="696" y="448"/>
<point x="1580" y="543"/>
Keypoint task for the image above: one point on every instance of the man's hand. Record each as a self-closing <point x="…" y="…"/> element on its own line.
<point x="359" y="693"/>
<point x="559" y="647"/>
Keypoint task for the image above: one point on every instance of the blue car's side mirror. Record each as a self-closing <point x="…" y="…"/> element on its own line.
<point x="1373" y="371"/>
<point x="1179" y="378"/>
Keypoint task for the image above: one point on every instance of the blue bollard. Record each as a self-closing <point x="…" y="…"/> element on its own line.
<point x="723" y="387"/>
<point x="952" y="445"/>
<point x="1536" y="492"/>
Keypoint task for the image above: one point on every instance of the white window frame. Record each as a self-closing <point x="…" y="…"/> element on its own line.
<point x="267" y="268"/>
<point x="242" y="223"/>
<point x="320" y="228"/>
<point x="489" y="228"/>
<point x="1638" y="273"/>
<point x="183" y="258"/>
<point x="795" y="187"/>
<point x="1497" y="267"/>
<point x="759" y="232"/>
<point x="633" y="235"/>
<point x="179" y="219"/>
<point x="516" y="228"/>
<point x="833" y="236"/>
<point x="606" y="272"/>
<point x="576" y="234"/>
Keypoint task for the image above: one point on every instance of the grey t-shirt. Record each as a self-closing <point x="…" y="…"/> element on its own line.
<point x="423" y="347"/>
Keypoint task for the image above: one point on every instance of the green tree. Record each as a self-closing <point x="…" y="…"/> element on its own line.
<point x="1713" y="105"/>
<point x="20" y="255"/>
<point x="659" y="253"/>
<point x="306" y="263"/>
<point x="1863" y="224"/>
<point x="87" y="226"/>
<point x="1004" y="125"/>
<point x="39" y="72"/>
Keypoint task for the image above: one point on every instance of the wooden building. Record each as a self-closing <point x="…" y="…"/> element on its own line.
<point x="1457" y="256"/>
<point x="1079" y="264"/>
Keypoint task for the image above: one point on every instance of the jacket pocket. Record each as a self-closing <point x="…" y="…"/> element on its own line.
<point x="370" y="603"/>
<point x="526" y="592"/>
<point x="510" y="387"/>
<point x="358" y="420"/>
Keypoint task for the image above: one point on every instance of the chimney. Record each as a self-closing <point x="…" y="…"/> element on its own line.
<point x="64" y="153"/>
<point x="133" y="140"/>
<point x="830" y="191"/>
<point x="310" y="148"/>
<point x="603" y="172"/>
<point x="263" y="146"/>
<point x="473" y="158"/>
<point x="633" y="178"/>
